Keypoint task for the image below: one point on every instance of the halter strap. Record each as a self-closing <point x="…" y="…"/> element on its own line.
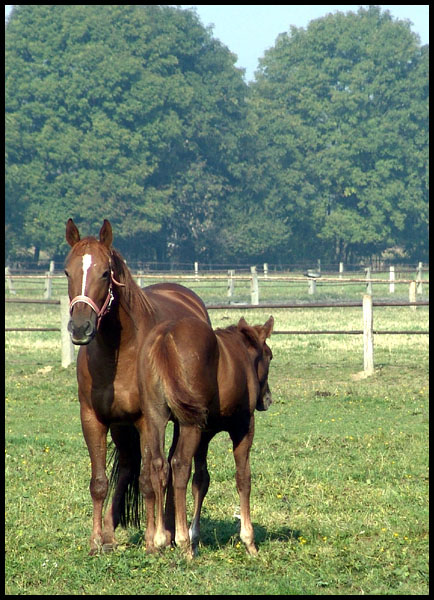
<point x="100" y="312"/>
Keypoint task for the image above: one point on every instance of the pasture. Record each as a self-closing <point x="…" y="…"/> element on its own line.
<point x="339" y="471"/>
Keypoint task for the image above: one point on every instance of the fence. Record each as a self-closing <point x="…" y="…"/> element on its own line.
<point x="313" y="279"/>
<point x="67" y="348"/>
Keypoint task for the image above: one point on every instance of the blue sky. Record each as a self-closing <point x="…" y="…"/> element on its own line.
<point x="248" y="30"/>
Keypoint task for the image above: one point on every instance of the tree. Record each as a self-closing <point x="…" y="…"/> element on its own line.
<point x="124" y="112"/>
<point x="345" y="104"/>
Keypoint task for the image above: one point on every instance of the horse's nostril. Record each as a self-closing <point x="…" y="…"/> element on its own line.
<point x="81" y="333"/>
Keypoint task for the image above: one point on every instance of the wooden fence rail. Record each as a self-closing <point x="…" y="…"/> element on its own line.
<point x="416" y="285"/>
<point x="67" y="348"/>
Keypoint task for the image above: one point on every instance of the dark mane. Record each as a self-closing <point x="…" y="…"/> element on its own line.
<point x="131" y="294"/>
<point x="223" y="330"/>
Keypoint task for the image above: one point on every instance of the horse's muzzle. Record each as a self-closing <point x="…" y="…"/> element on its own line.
<point x="83" y="333"/>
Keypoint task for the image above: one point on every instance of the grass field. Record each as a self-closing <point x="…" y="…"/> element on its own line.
<point x="339" y="472"/>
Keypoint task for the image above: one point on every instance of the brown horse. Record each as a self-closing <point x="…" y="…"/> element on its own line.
<point x="110" y="318"/>
<point x="207" y="382"/>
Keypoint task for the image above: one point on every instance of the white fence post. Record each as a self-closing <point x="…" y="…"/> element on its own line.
<point x="265" y="270"/>
<point x="9" y="280"/>
<point x="49" y="281"/>
<point x="368" y="284"/>
<point x="341" y="269"/>
<point x="196" y="270"/>
<point x="368" y="335"/>
<point x="230" y="292"/>
<point x="254" y="288"/>
<point x="412" y="294"/>
<point x="391" y="279"/>
<point x="312" y="286"/>
<point x="67" y="345"/>
<point x="419" y="278"/>
<point x="47" y="291"/>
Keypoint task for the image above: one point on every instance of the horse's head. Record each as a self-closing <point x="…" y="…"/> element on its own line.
<point x="90" y="278"/>
<point x="255" y="339"/>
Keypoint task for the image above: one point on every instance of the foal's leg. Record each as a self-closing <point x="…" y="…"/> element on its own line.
<point x="241" y="446"/>
<point x="147" y="491"/>
<point x="157" y="467"/>
<point x="169" y="511"/>
<point x="95" y="434"/>
<point x="199" y="486"/>
<point x="186" y="447"/>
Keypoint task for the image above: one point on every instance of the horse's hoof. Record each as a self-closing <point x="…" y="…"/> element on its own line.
<point x="109" y="547"/>
<point x="162" y="539"/>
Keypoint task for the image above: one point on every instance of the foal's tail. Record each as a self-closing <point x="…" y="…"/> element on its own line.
<point x="187" y="404"/>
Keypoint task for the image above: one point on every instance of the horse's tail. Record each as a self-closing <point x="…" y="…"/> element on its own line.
<point x="187" y="404"/>
<point x="131" y="500"/>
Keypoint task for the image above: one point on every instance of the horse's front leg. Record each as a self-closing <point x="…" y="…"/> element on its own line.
<point x="241" y="448"/>
<point x="95" y="434"/>
<point x="169" y="511"/>
<point x="128" y="468"/>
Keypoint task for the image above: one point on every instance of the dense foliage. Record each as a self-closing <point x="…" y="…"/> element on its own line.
<point x="138" y="114"/>
<point x="345" y="105"/>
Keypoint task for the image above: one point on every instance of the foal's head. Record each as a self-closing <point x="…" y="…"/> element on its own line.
<point x="255" y="339"/>
<point x="89" y="271"/>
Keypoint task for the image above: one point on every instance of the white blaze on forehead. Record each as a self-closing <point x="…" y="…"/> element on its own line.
<point x="87" y="261"/>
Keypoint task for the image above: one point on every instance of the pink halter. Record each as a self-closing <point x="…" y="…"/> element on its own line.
<point x="100" y="312"/>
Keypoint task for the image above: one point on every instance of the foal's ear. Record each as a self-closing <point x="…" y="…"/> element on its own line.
<point x="72" y="233"/>
<point x="248" y="332"/>
<point x="106" y="234"/>
<point x="267" y="328"/>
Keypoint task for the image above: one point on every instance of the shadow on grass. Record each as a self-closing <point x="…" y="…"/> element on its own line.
<point x="215" y="533"/>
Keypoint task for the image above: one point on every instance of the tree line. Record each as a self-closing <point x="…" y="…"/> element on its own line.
<point x="139" y="115"/>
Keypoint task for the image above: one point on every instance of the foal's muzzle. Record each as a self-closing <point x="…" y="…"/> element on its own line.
<point x="264" y="400"/>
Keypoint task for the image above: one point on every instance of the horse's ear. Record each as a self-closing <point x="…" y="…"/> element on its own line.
<point x="72" y="233"/>
<point x="267" y="328"/>
<point x="106" y="234"/>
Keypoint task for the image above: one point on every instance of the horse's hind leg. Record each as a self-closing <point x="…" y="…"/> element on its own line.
<point x="95" y="434"/>
<point x="241" y="447"/>
<point x="199" y="486"/>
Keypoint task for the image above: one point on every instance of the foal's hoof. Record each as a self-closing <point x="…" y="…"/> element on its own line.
<point x="106" y="548"/>
<point x="187" y="550"/>
<point x="251" y="549"/>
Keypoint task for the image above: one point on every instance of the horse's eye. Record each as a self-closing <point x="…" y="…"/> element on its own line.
<point x="66" y="273"/>
<point x="105" y="275"/>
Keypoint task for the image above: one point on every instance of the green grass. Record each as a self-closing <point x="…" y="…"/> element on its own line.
<point x="339" y="469"/>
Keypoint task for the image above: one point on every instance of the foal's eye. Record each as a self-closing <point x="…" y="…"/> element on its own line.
<point x="66" y="273"/>
<point x="105" y="275"/>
